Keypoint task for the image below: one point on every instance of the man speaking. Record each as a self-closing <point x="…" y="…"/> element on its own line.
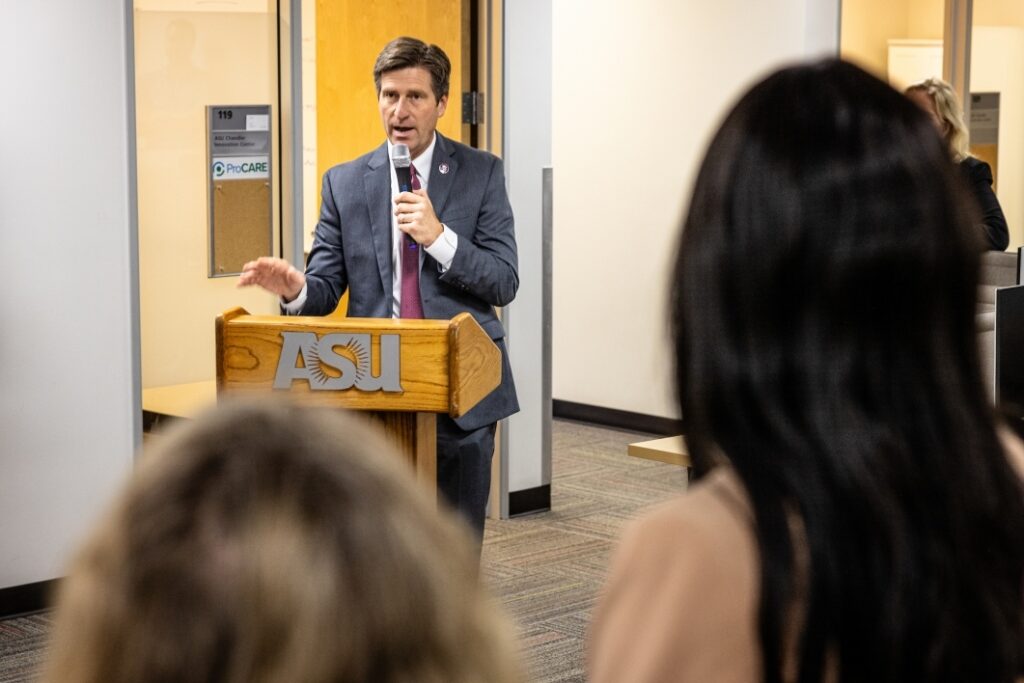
<point x="445" y="246"/>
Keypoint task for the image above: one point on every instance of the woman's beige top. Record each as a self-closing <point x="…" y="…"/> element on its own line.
<point x="681" y="599"/>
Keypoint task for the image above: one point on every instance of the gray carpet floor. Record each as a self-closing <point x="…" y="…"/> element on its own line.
<point x="546" y="569"/>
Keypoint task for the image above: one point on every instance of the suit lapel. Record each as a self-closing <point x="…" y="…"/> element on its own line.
<point x="377" y="183"/>
<point x="441" y="181"/>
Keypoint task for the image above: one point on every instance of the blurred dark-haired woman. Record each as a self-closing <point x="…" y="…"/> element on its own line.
<point x="859" y="511"/>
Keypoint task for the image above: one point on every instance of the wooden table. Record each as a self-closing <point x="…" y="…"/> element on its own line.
<point x="671" y="450"/>
<point x="180" y="400"/>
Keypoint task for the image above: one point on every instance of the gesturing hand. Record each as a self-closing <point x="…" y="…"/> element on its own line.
<point x="416" y="217"/>
<point x="275" y="275"/>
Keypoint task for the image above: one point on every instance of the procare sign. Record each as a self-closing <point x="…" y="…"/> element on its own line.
<point x="240" y="168"/>
<point x="338" y="361"/>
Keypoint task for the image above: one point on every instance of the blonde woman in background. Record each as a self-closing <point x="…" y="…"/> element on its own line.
<point x="939" y="100"/>
<point x="275" y="544"/>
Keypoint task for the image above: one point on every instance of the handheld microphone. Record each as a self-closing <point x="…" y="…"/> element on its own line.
<point x="402" y="161"/>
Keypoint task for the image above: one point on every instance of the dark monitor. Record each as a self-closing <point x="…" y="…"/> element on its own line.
<point x="1009" y="351"/>
<point x="1020" y="264"/>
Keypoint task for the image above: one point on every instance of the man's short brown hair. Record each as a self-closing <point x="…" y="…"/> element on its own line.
<point x="405" y="52"/>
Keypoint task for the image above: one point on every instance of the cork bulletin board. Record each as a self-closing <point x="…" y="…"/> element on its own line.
<point x="241" y="214"/>
<point x="240" y="198"/>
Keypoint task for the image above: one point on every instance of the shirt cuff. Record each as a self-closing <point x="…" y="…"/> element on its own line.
<point x="443" y="248"/>
<point x="294" y="307"/>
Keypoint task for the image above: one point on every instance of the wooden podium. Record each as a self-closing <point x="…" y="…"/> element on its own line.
<point x="403" y="372"/>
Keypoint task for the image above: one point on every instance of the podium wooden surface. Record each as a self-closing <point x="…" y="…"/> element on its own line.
<point x="444" y="366"/>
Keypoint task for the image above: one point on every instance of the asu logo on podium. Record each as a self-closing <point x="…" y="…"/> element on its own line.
<point x="348" y="354"/>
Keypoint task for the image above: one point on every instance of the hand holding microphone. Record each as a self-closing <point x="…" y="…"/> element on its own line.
<point x="401" y="160"/>
<point x="413" y="208"/>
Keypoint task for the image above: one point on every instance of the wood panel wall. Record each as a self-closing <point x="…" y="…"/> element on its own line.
<point x="349" y="35"/>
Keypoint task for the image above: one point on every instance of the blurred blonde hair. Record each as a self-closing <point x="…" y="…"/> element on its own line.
<point x="273" y="543"/>
<point x="947" y="106"/>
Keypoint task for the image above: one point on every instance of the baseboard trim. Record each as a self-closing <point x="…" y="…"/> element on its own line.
<point x="529" y="501"/>
<point x="618" y="419"/>
<point x="30" y="597"/>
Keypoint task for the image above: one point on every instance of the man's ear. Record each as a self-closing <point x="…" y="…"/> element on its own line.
<point x="442" y="105"/>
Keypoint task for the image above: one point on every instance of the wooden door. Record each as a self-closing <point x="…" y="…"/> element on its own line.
<point x="349" y="35"/>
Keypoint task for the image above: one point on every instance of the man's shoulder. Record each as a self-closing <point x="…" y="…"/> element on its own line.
<point x="477" y="168"/>
<point x="359" y="165"/>
<point x="463" y="152"/>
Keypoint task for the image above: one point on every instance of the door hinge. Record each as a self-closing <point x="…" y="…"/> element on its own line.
<point x="473" y="108"/>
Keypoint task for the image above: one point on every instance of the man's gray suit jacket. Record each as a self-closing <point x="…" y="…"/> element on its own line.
<point x="352" y="250"/>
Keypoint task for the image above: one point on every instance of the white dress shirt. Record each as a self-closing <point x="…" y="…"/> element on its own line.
<point x="442" y="250"/>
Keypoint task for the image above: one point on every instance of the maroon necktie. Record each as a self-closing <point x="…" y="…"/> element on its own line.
<point x="411" y="306"/>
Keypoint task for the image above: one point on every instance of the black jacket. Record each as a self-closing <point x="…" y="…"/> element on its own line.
<point x="978" y="175"/>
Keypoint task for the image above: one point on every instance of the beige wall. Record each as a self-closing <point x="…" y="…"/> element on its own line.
<point x="183" y="62"/>
<point x="637" y="89"/>
<point x="867" y="26"/>
<point x="997" y="65"/>
<point x="925" y="19"/>
<point x="992" y="49"/>
<point x="999" y="13"/>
